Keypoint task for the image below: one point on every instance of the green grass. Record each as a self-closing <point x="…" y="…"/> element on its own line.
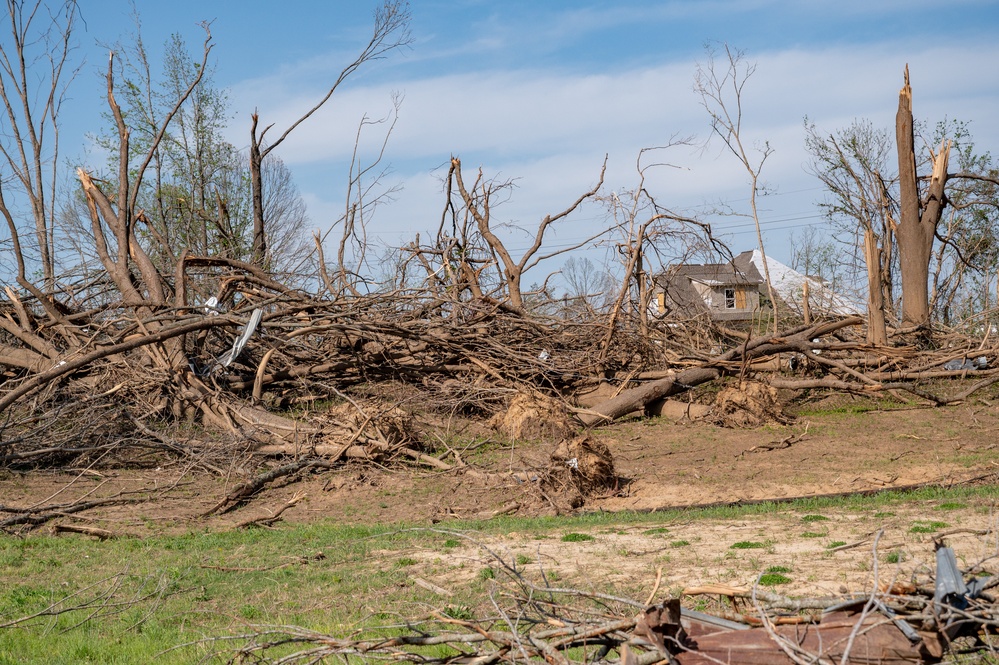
<point x="928" y="527"/>
<point x="747" y="545"/>
<point x="576" y="537"/>
<point x="895" y="557"/>
<point x="202" y="584"/>
<point x="814" y="518"/>
<point x="834" y="544"/>
<point x="190" y="586"/>
<point x="814" y="534"/>
<point x="773" y="579"/>
<point x="855" y="407"/>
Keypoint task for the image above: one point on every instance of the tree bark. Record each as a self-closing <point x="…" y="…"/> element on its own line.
<point x="917" y="219"/>
<point x="877" y="333"/>
<point x="633" y="400"/>
<point x="257" y="196"/>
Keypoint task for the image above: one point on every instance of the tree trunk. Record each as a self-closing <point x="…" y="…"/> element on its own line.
<point x="917" y="219"/>
<point x="257" y="187"/>
<point x="877" y="333"/>
<point x="636" y="399"/>
<point x="798" y="339"/>
<point x="806" y="307"/>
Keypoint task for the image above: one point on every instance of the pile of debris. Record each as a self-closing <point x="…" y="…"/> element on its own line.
<point x="897" y="623"/>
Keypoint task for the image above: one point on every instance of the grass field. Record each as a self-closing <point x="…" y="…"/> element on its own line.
<point x="170" y="598"/>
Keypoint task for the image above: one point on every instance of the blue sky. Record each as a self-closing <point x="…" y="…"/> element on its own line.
<point x="541" y="91"/>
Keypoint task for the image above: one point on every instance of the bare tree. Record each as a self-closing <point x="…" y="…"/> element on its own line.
<point x="720" y="89"/>
<point x="478" y="200"/>
<point x="587" y="287"/>
<point x="967" y="252"/>
<point x="651" y="235"/>
<point x="34" y="76"/>
<point x="853" y="164"/>
<point x="391" y="31"/>
<point x="362" y="195"/>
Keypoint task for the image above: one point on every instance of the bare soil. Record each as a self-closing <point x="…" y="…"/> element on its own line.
<point x="837" y="446"/>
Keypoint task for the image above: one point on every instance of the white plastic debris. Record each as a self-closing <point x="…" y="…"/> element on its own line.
<point x="212" y="306"/>
<point x="229" y="356"/>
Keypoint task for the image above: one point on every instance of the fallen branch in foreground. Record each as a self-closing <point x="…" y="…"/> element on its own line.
<point x="532" y="621"/>
<point x="269" y="520"/>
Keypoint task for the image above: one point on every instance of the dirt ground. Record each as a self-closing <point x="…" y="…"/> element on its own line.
<point x="831" y="447"/>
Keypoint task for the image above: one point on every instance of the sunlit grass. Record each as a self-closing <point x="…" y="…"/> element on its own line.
<point x="323" y="576"/>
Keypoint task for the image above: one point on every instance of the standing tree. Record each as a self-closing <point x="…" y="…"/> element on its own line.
<point x="33" y="86"/>
<point x="720" y="90"/>
<point x="967" y="257"/>
<point x="196" y="196"/>
<point x="651" y="236"/>
<point x="587" y="288"/>
<point x="919" y="213"/>
<point x="478" y="201"/>
<point x="391" y="31"/>
<point x="853" y="164"/>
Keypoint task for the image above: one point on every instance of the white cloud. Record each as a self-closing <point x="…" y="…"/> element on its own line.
<point x="550" y="129"/>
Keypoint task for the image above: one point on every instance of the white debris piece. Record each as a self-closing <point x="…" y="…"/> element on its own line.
<point x="229" y="356"/>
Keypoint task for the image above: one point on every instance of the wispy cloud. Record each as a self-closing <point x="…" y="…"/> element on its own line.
<point x="550" y="126"/>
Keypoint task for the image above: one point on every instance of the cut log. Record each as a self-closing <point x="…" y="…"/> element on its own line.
<point x="636" y="399"/>
<point x="676" y="410"/>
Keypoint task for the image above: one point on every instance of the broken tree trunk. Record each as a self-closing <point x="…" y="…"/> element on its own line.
<point x="877" y="333"/>
<point x="917" y="219"/>
<point x="636" y="399"/>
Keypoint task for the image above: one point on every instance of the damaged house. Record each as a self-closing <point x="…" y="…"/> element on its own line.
<point x="733" y="292"/>
<point x="721" y="291"/>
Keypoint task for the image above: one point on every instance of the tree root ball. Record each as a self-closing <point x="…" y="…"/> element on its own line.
<point x="750" y="404"/>
<point x="579" y="468"/>
<point x="534" y="418"/>
<point x="377" y="425"/>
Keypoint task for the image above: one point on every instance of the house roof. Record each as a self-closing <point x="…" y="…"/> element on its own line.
<point x="717" y="274"/>
<point x="788" y="284"/>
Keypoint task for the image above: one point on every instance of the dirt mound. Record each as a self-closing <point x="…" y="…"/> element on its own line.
<point x="750" y="404"/>
<point x="579" y="468"/>
<point x="534" y="418"/>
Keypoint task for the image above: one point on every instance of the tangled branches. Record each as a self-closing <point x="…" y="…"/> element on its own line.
<point x="529" y="619"/>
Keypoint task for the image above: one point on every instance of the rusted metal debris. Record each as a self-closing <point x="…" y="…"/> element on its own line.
<point x="883" y="628"/>
<point x="870" y="638"/>
<point x="896" y="624"/>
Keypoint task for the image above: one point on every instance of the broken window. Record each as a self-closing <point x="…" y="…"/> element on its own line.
<point x="729" y="298"/>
